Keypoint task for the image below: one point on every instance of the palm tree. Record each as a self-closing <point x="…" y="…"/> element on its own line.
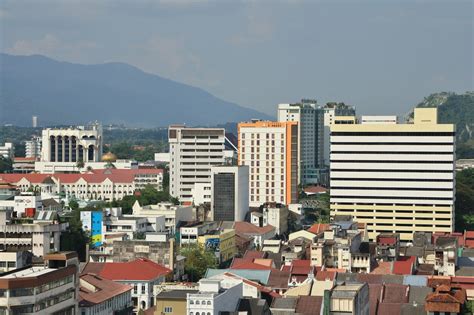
<point x="80" y="164"/>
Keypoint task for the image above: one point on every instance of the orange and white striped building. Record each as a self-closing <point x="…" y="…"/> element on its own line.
<point x="270" y="149"/>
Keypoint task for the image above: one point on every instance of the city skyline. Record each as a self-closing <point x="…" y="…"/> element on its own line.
<point x="381" y="57"/>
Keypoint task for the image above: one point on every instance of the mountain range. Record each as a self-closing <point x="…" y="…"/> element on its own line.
<point x="112" y="93"/>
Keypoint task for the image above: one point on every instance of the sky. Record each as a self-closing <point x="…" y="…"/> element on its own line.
<point x="383" y="56"/>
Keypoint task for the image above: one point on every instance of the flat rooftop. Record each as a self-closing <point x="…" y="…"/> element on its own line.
<point x="29" y="272"/>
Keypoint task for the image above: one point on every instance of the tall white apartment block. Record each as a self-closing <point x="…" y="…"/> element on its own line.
<point x="193" y="152"/>
<point x="270" y="149"/>
<point x="311" y="136"/>
<point x="397" y="178"/>
<point x="7" y="150"/>
<point x="33" y="147"/>
<point x="81" y="143"/>
<point x="230" y="193"/>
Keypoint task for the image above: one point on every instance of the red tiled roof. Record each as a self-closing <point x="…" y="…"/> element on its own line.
<point x="375" y="296"/>
<point x="402" y="267"/>
<point x="139" y="269"/>
<point x="252" y="254"/>
<point x="315" y="190"/>
<point x="386" y="240"/>
<point x="395" y="293"/>
<point x="249" y="265"/>
<point x="249" y="228"/>
<point x="469" y="243"/>
<point x="325" y="275"/>
<point x="469" y="234"/>
<point x="301" y="262"/>
<point x="25" y="159"/>
<point x="383" y="268"/>
<point x="389" y="308"/>
<point x="263" y="262"/>
<point x="318" y="228"/>
<point x="104" y="290"/>
<point x="95" y="176"/>
<point x="301" y="270"/>
<point x="308" y="305"/>
<point x="369" y="278"/>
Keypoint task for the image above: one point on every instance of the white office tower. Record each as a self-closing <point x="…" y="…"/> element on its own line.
<point x="34" y="121"/>
<point x="73" y="144"/>
<point x="332" y="110"/>
<point x="33" y="147"/>
<point x="397" y="178"/>
<point x="230" y="193"/>
<point x="193" y="152"/>
<point x="310" y="118"/>
<point x="270" y="149"/>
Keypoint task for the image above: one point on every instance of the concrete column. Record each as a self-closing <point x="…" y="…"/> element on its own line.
<point x="70" y="149"/>
<point x="85" y="154"/>
<point x="63" y="149"/>
<point x="55" y="149"/>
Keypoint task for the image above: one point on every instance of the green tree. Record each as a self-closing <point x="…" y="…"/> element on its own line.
<point x="80" y="164"/>
<point x="75" y="239"/>
<point x="198" y="260"/>
<point x="6" y="165"/>
<point x="73" y="204"/>
<point x="464" y="200"/>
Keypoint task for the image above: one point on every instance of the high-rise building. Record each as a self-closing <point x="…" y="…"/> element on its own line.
<point x="396" y="178"/>
<point x="33" y="147"/>
<point x="230" y="193"/>
<point x="310" y="118"/>
<point x="34" y="121"/>
<point x="193" y="152"/>
<point x="81" y="143"/>
<point x="270" y="149"/>
<point x="332" y="110"/>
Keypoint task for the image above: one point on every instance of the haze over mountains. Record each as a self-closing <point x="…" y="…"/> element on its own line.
<point x="67" y="93"/>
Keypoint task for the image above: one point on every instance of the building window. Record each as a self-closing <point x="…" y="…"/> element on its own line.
<point x="168" y="309"/>
<point x="135" y="289"/>
<point x="143" y="289"/>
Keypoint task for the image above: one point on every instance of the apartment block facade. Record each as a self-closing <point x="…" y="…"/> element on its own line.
<point x="193" y="152"/>
<point x="270" y="149"/>
<point x="310" y="118"/>
<point x="397" y="178"/>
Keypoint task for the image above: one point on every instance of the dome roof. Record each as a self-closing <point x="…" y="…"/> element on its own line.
<point x="109" y="157"/>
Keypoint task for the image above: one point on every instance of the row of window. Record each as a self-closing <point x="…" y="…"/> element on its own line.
<point x="393" y="133"/>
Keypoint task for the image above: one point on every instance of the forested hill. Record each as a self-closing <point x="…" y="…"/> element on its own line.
<point x="456" y="109"/>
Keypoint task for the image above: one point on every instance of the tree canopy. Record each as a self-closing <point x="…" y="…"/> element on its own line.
<point x="198" y="260"/>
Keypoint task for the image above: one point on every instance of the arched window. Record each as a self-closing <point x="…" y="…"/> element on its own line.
<point x="208" y="302"/>
<point x="197" y="303"/>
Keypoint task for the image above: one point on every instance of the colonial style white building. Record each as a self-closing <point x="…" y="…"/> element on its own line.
<point x="104" y="184"/>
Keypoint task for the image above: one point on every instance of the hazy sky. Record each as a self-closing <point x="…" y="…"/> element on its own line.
<point x="382" y="56"/>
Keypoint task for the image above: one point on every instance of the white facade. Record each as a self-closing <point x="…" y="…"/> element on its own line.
<point x="63" y="167"/>
<point x="33" y="147"/>
<point x="213" y="299"/>
<point x="12" y="260"/>
<point x="82" y="143"/>
<point x="173" y="214"/>
<point x="397" y="178"/>
<point x="202" y="193"/>
<point x="163" y="157"/>
<point x="392" y="120"/>
<point x="311" y="136"/>
<point x="230" y="193"/>
<point x="193" y="152"/>
<point x="277" y="216"/>
<point x="7" y="150"/>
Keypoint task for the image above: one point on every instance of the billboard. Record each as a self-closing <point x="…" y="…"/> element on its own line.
<point x="96" y="228"/>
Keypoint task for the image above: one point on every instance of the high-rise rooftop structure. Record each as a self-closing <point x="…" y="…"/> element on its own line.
<point x="397" y="178"/>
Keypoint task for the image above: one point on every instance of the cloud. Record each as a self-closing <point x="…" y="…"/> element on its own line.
<point x="259" y="26"/>
<point x="44" y="46"/>
<point x="172" y="54"/>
